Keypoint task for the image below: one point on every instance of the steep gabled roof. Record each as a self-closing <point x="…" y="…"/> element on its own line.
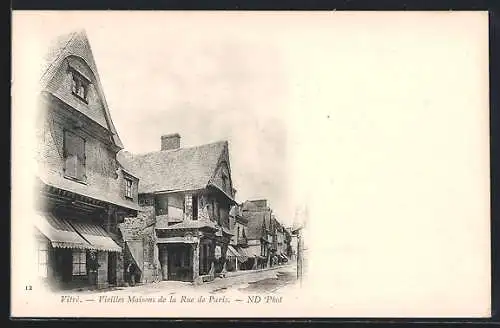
<point x="256" y="220"/>
<point x="76" y="44"/>
<point x="174" y="170"/>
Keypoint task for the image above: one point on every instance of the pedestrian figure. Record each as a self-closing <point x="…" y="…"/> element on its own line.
<point x="131" y="274"/>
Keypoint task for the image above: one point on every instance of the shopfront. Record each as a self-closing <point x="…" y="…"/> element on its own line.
<point x="74" y="254"/>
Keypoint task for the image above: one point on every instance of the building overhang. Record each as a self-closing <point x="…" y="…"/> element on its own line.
<point x="228" y="197"/>
<point x="80" y="197"/>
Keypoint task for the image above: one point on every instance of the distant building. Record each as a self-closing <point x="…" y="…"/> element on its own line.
<point x="237" y="258"/>
<point x="84" y="192"/>
<point x="182" y="231"/>
<point x="260" y="232"/>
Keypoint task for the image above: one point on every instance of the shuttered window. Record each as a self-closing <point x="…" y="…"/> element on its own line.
<point x="74" y="156"/>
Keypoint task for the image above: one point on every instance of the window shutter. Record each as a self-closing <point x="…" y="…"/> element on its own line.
<point x="80" y="153"/>
<point x="74" y="151"/>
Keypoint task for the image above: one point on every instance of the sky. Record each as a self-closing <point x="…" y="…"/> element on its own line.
<point x="374" y="124"/>
<point x="206" y="82"/>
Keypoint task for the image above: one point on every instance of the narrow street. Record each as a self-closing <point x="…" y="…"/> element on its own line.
<point x="266" y="280"/>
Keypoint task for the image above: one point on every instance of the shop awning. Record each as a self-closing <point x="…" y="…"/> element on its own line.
<point x="135" y="250"/>
<point x="176" y="240"/>
<point x="250" y="252"/>
<point x="284" y="256"/>
<point x="233" y="253"/>
<point x="64" y="233"/>
<point x="96" y="236"/>
<point x="60" y="232"/>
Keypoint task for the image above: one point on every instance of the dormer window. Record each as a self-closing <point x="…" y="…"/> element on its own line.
<point x="128" y="188"/>
<point x="79" y="85"/>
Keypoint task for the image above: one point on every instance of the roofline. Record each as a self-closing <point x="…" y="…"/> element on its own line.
<point x="225" y="194"/>
<point x="129" y="173"/>
<point x="176" y="149"/>
<point x="44" y="79"/>
<point x="161" y="192"/>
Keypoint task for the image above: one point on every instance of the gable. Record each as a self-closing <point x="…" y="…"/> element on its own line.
<point x="60" y="85"/>
<point x="174" y="170"/>
<point x="222" y="178"/>
<point x="74" y="49"/>
<point x="222" y="175"/>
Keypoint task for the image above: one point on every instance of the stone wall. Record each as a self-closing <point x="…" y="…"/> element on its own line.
<point x="140" y="231"/>
<point x="102" y="271"/>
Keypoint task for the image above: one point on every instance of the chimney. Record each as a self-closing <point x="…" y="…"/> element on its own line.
<point x="170" y="141"/>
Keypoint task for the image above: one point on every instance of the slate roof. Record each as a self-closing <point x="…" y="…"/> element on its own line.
<point x="255" y="221"/>
<point x="77" y="44"/>
<point x="179" y="169"/>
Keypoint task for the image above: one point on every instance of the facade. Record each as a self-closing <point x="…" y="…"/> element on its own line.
<point x="182" y="231"/>
<point x="237" y="258"/>
<point x="282" y="242"/>
<point x="82" y="191"/>
<point x="260" y="233"/>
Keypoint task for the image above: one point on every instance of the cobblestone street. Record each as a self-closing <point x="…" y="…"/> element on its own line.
<point x="266" y="280"/>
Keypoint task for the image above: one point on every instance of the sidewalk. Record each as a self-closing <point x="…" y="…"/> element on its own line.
<point x="241" y="272"/>
<point x="236" y="279"/>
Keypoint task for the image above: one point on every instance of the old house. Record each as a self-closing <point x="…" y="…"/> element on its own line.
<point x="281" y="242"/>
<point x="83" y="192"/>
<point x="237" y="258"/>
<point x="185" y="195"/>
<point x="259" y="234"/>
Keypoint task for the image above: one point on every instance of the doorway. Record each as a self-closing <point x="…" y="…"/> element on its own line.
<point x="180" y="258"/>
<point x="112" y="261"/>
<point x="64" y="264"/>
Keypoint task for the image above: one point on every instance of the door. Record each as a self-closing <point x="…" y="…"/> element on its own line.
<point x="179" y="263"/>
<point x="64" y="264"/>
<point x="112" y="268"/>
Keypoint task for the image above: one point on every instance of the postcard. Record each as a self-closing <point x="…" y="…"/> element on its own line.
<point x="250" y="164"/>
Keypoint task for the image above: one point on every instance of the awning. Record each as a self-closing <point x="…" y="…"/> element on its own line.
<point x="64" y="233"/>
<point x="233" y="253"/>
<point x="96" y="236"/>
<point x="250" y="252"/>
<point x="135" y="250"/>
<point x="60" y="233"/>
<point x="284" y="256"/>
<point x="176" y="240"/>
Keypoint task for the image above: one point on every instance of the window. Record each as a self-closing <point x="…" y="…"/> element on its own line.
<point x="79" y="85"/>
<point x="213" y="209"/>
<point x="161" y="205"/>
<point x="74" y="156"/>
<point x="79" y="263"/>
<point x="195" y="207"/>
<point x="219" y="220"/>
<point x="238" y="233"/>
<point x="43" y="259"/>
<point x="128" y="188"/>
